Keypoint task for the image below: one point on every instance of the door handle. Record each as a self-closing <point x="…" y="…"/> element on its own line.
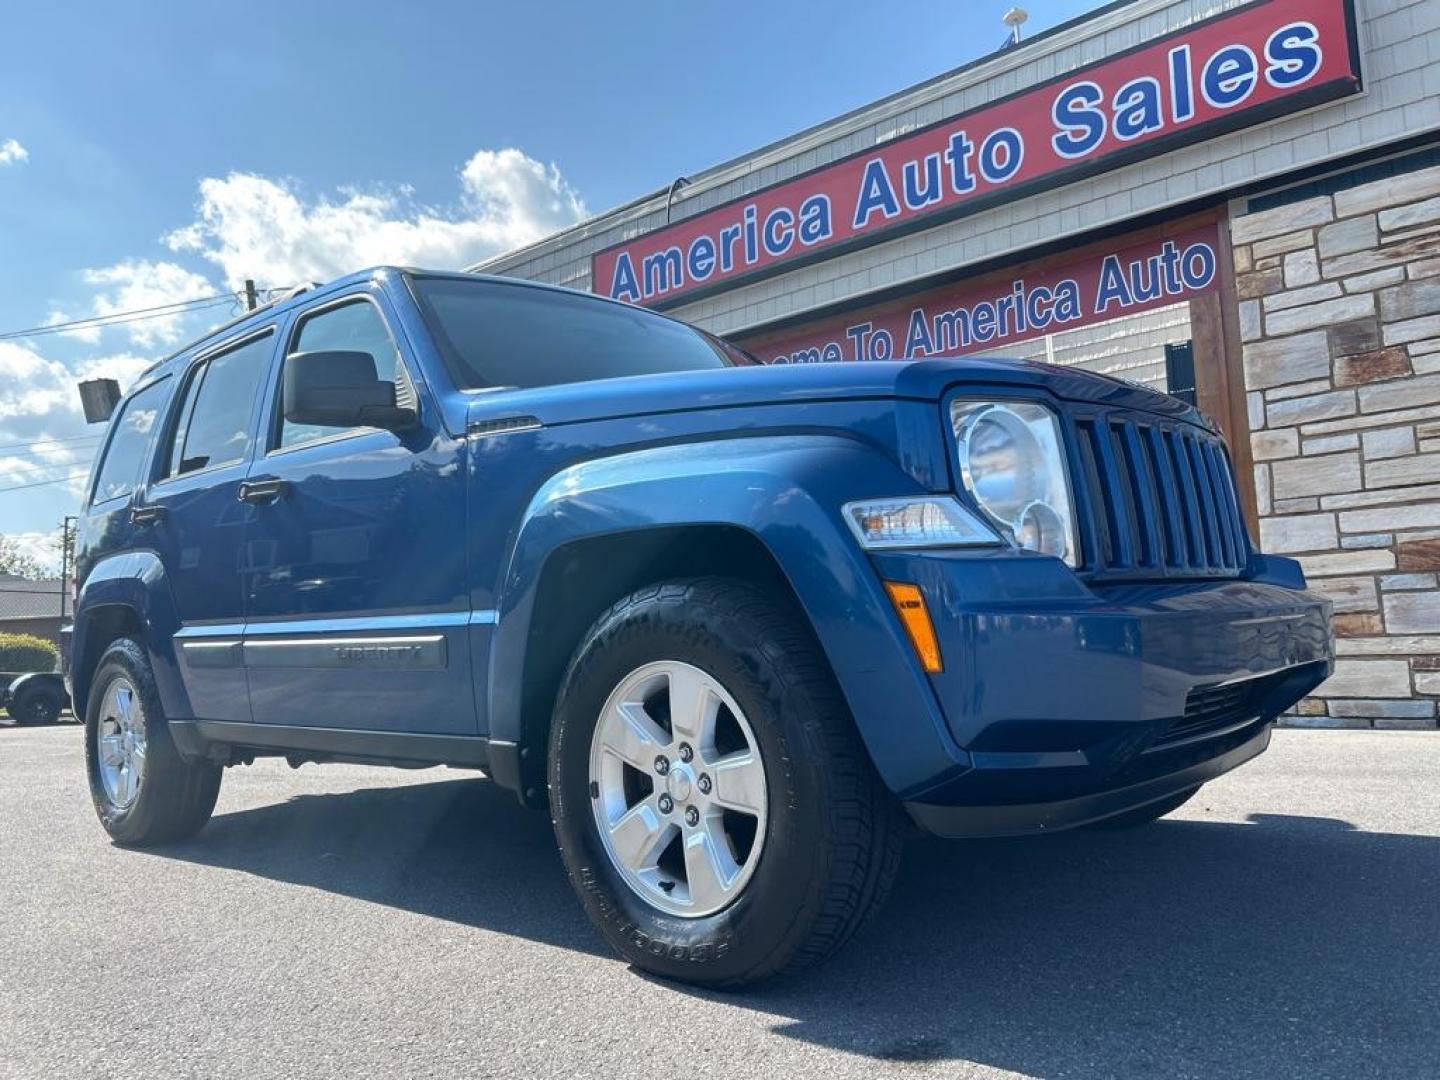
<point x="147" y="515"/>
<point x="262" y="491"/>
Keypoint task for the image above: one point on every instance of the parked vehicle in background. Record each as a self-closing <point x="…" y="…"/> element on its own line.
<point x="31" y="688"/>
<point x="732" y="624"/>
<point x="33" y="697"/>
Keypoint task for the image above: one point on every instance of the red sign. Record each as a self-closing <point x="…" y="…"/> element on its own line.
<point x="967" y="317"/>
<point x="1233" y="70"/>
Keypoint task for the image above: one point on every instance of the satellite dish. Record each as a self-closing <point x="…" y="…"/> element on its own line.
<point x="1014" y="19"/>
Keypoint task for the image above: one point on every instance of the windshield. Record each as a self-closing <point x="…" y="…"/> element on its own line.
<point x="497" y="334"/>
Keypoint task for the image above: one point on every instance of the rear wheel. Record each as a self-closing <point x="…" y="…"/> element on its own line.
<point x="713" y="804"/>
<point x="35" y="705"/>
<point x="1144" y="815"/>
<point x="143" y="790"/>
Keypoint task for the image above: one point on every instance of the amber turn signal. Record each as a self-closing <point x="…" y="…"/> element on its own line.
<point x="910" y="606"/>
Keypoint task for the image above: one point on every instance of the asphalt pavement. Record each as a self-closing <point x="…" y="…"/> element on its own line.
<point x="340" y="921"/>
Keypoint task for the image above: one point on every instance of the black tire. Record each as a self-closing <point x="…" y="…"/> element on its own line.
<point x="35" y="705"/>
<point x="834" y="834"/>
<point x="175" y="797"/>
<point x="1144" y="815"/>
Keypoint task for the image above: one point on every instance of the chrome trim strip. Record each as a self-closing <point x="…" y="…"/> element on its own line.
<point x="209" y="631"/>
<point x="354" y="626"/>
<point x="372" y="653"/>
<point x="211" y="654"/>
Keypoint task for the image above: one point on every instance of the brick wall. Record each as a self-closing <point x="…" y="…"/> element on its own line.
<point x="1340" y="314"/>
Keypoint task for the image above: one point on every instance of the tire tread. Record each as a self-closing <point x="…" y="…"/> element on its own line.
<point x="177" y="796"/>
<point x="864" y="824"/>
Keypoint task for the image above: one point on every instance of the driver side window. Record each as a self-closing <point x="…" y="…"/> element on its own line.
<point x="352" y="327"/>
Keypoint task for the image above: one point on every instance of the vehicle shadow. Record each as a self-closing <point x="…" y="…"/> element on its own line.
<point x="65" y="719"/>
<point x="1286" y="946"/>
<point x="464" y="850"/>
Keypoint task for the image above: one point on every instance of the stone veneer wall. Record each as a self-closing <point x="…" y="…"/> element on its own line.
<point x="1340" y="315"/>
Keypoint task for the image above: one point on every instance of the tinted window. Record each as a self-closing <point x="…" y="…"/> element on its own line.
<point x="355" y="327"/>
<point x="214" y="425"/>
<point x="495" y="334"/>
<point x="137" y="420"/>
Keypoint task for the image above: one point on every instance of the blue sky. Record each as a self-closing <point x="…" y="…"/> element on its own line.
<point x="165" y="151"/>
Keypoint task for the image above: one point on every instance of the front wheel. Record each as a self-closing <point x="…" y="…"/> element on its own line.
<point x="143" y="790"/>
<point x="713" y="804"/>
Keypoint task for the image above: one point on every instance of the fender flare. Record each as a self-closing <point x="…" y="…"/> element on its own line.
<point x="787" y="492"/>
<point x="135" y="581"/>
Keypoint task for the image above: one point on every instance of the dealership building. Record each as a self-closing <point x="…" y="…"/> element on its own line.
<point x="1238" y="202"/>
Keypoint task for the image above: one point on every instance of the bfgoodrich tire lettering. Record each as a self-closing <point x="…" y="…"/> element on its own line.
<point x="832" y="841"/>
<point x="173" y="797"/>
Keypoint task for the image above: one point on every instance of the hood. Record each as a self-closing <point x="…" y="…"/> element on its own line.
<point x="922" y="380"/>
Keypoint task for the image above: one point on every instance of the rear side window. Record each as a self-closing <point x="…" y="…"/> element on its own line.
<point x="214" y="425"/>
<point x="352" y="327"/>
<point x="121" y="465"/>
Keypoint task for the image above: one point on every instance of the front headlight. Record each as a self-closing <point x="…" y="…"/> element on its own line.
<point x="1012" y="463"/>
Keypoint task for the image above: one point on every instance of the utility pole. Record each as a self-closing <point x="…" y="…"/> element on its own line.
<point x="250" y="299"/>
<point x="67" y="560"/>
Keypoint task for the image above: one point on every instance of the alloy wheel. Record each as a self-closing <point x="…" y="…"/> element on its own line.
<point x="120" y="746"/>
<point x="678" y="789"/>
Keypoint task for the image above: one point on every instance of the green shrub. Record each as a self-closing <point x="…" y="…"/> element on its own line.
<point x="26" y="652"/>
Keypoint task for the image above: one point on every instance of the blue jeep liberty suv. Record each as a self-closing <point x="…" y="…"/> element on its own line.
<point x="738" y="626"/>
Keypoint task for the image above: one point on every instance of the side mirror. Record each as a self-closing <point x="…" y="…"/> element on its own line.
<point x="340" y="389"/>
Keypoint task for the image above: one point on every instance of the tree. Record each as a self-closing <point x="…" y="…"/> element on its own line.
<point x="18" y="562"/>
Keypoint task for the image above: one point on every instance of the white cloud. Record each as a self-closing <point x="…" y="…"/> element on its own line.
<point x="137" y="284"/>
<point x="88" y="334"/>
<point x="30" y="385"/>
<point x="255" y="227"/>
<point x="42" y="547"/>
<point x="124" y="368"/>
<point x="266" y="229"/>
<point x="42" y="429"/>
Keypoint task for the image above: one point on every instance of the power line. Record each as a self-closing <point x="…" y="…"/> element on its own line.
<point x="50" y="474"/>
<point x="77" y="455"/>
<point x="51" y="442"/>
<point x="83" y="456"/>
<point x="45" y="483"/>
<point x="118" y="318"/>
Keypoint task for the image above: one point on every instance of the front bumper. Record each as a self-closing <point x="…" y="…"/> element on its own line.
<point x="1024" y="819"/>
<point x="1073" y="702"/>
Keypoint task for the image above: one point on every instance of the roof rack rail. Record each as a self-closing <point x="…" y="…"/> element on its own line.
<point x="288" y="294"/>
